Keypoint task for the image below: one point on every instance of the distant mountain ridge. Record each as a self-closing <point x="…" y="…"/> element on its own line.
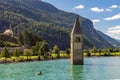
<point x="106" y="37"/>
<point x="112" y="41"/>
<point x="53" y="24"/>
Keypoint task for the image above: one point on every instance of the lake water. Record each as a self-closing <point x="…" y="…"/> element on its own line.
<point x="97" y="68"/>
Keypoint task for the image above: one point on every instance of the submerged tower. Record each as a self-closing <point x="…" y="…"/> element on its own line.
<point x="77" y="44"/>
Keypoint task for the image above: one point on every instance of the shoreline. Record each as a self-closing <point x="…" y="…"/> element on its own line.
<point x="31" y="60"/>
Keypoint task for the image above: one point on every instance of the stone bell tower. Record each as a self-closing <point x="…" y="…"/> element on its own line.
<point x="77" y="44"/>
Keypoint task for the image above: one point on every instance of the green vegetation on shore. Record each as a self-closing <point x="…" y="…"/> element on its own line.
<point x="29" y="55"/>
<point x="35" y="48"/>
<point x="48" y="54"/>
<point x="102" y="52"/>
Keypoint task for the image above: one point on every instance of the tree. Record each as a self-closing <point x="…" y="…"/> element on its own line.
<point x="5" y="53"/>
<point x="110" y="50"/>
<point x="41" y="48"/>
<point x="94" y="49"/>
<point x="100" y="51"/>
<point x="44" y="48"/>
<point x="56" y="51"/>
<point x="106" y="52"/>
<point x="67" y="51"/>
<point x="39" y="54"/>
<point x="20" y="36"/>
<point x="88" y="53"/>
<point x="29" y="37"/>
<point x="34" y="50"/>
<point x="16" y="53"/>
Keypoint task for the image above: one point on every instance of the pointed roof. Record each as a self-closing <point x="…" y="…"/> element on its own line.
<point x="9" y="31"/>
<point x="10" y="27"/>
<point x="77" y="28"/>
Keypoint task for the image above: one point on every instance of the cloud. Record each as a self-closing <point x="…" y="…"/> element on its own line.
<point x="114" y="6"/>
<point x="114" y="32"/>
<point x="108" y="9"/>
<point x="79" y="7"/>
<point x="95" y="21"/>
<point x="96" y="9"/>
<point x="115" y="17"/>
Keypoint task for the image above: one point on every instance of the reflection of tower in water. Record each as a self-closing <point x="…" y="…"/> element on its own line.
<point x="76" y="72"/>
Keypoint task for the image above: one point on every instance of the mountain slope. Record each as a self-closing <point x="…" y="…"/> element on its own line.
<point x="106" y="37"/>
<point x="53" y="24"/>
<point x="109" y="39"/>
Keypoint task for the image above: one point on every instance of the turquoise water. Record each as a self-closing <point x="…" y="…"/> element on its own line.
<point x="98" y="68"/>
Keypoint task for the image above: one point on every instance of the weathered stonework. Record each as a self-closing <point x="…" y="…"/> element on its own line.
<point x="77" y="44"/>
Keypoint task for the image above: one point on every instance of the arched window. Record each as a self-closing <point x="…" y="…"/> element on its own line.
<point x="77" y="39"/>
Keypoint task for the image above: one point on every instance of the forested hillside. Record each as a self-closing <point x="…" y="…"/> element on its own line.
<point x="52" y="24"/>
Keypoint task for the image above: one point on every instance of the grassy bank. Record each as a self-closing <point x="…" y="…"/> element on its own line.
<point x="102" y="54"/>
<point x="32" y="58"/>
<point x="52" y="57"/>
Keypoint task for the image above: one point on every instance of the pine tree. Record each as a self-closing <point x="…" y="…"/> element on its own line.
<point x="16" y="53"/>
<point x="67" y="51"/>
<point x="5" y="53"/>
<point x="56" y="51"/>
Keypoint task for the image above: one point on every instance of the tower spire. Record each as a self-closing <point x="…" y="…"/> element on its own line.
<point x="77" y="44"/>
<point x="10" y="26"/>
<point x="76" y="28"/>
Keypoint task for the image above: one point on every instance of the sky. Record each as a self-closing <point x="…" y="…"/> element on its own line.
<point x="105" y="14"/>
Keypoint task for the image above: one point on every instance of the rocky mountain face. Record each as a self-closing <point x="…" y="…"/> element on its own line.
<point x="112" y="41"/>
<point x="52" y="24"/>
<point x="92" y="34"/>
